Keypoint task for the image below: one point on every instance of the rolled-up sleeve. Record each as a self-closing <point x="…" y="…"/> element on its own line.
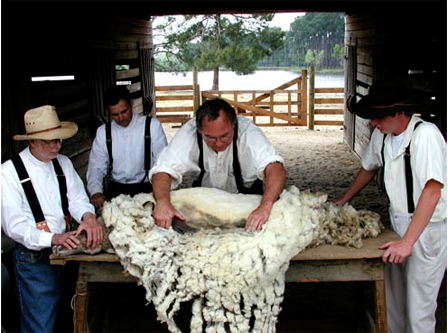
<point x="255" y="151"/>
<point x="179" y="158"/>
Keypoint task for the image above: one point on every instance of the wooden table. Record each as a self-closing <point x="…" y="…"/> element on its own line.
<point x="325" y="263"/>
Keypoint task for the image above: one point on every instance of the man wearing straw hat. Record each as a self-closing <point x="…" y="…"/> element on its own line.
<point x="40" y="191"/>
<point x="413" y="155"/>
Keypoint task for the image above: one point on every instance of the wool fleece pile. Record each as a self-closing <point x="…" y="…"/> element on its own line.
<point x="235" y="279"/>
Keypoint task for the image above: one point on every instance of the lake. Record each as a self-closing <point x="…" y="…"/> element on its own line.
<point x="260" y="80"/>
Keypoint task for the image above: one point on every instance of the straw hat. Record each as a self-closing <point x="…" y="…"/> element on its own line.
<point x="42" y="123"/>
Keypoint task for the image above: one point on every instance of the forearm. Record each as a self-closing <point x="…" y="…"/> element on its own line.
<point x="161" y="184"/>
<point x="425" y="208"/>
<point x="361" y="180"/>
<point x="275" y="178"/>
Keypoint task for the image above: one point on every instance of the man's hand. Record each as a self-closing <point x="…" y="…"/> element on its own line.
<point x="93" y="229"/>
<point x="98" y="200"/>
<point x="258" y="218"/>
<point x="163" y="214"/>
<point x="68" y="240"/>
<point x="396" y="251"/>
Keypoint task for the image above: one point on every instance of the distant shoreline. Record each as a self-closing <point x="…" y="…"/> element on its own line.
<point x="299" y="70"/>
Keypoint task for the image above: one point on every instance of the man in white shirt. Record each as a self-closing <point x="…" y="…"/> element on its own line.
<point x="40" y="191"/>
<point x="224" y="151"/>
<point x="413" y="155"/>
<point x="136" y="141"/>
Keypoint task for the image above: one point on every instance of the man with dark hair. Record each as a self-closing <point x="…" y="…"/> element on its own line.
<point x="124" y="149"/>
<point x="413" y="155"/>
<point x="224" y="151"/>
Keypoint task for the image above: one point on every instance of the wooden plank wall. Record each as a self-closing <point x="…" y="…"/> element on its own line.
<point x="90" y="52"/>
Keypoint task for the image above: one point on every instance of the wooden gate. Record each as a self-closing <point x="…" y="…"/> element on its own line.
<point x="277" y="107"/>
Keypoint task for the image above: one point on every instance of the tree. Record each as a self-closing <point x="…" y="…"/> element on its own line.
<point x="209" y="42"/>
<point x="320" y="33"/>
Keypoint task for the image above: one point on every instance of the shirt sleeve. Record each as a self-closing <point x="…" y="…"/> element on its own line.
<point x="253" y="143"/>
<point x="428" y="154"/>
<point x="98" y="162"/>
<point x="180" y="156"/>
<point x="158" y="139"/>
<point x="372" y="159"/>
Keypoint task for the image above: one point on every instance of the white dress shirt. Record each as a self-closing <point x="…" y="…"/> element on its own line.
<point x="181" y="157"/>
<point x="17" y="218"/>
<point x="128" y="152"/>
<point x="428" y="161"/>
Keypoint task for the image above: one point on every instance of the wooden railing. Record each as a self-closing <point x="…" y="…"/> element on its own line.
<point x="176" y="104"/>
<point x="278" y="107"/>
<point x="328" y="107"/>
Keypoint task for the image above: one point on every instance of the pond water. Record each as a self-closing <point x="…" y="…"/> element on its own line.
<point x="260" y="80"/>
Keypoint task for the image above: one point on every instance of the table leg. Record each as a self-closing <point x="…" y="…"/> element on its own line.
<point x="380" y="306"/>
<point x="80" y="306"/>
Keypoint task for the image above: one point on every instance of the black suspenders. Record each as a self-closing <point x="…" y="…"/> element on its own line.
<point x="408" y="172"/>
<point x="147" y="146"/>
<point x="409" y="183"/>
<point x="257" y="186"/>
<point x="31" y="194"/>
<point x="198" y="181"/>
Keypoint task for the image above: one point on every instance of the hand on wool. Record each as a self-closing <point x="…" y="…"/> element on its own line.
<point x="93" y="229"/>
<point x="68" y="240"/>
<point x="258" y="218"/>
<point x="163" y="214"/>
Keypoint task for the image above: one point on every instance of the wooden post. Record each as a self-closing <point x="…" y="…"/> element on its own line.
<point x="271" y="119"/>
<point x="380" y="307"/>
<point x="80" y="307"/>
<point x="254" y="115"/>
<point x="311" y="97"/>
<point x="235" y="98"/>
<point x="196" y="90"/>
<point x="304" y="99"/>
<point x="289" y="107"/>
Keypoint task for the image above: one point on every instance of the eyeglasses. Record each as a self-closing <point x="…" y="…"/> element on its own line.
<point x="53" y="142"/>
<point x="224" y="138"/>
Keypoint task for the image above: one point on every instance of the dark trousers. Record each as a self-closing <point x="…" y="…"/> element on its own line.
<point x="39" y="288"/>
<point x="114" y="189"/>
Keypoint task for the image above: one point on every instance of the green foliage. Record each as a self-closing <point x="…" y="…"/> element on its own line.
<point x="209" y="42"/>
<point x="339" y="54"/>
<point x="322" y="34"/>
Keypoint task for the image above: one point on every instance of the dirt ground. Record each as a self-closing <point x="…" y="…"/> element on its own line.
<point x="318" y="160"/>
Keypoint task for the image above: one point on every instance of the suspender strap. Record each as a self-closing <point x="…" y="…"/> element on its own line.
<point x="408" y="170"/>
<point x="62" y="186"/>
<point x="28" y="188"/>
<point x="236" y="162"/>
<point x="32" y="197"/>
<point x="257" y="186"/>
<point x="147" y="145"/>
<point x="198" y="181"/>
<point x="109" y="146"/>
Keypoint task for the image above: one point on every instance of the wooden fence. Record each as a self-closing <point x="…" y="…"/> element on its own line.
<point x="281" y="106"/>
